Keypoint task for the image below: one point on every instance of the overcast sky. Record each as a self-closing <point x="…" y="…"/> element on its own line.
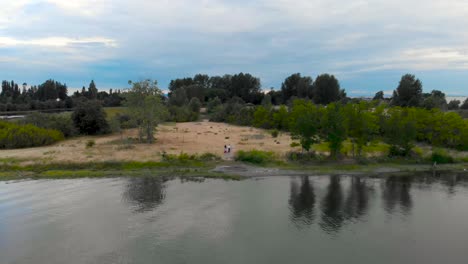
<point x="368" y="45"/>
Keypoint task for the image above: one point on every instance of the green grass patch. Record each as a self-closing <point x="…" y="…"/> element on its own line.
<point x="111" y="112"/>
<point x="255" y="156"/>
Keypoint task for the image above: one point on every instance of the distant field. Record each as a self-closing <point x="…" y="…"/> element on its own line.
<point x="113" y="111"/>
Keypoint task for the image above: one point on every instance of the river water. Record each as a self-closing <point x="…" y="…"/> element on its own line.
<point x="317" y="219"/>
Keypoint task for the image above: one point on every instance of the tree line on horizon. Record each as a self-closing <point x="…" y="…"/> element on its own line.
<point x="323" y="90"/>
<point x="51" y="95"/>
<point x="332" y="118"/>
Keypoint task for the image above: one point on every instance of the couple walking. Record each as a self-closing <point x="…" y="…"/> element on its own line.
<point x="227" y="149"/>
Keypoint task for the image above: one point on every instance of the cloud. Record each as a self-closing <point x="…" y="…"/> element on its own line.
<point x="412" y="59"/>
<point x="269" y="38"/>
<point x="57" y="41"/>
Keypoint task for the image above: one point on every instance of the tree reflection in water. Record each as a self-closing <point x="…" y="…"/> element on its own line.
<point x="339" y="208"/>
<point x="145" y="193"/>
<point x="357" y="201"/>
<point x="332" y="206"/>
<point x="302" y="201"/>
<point x="396" y="191"/>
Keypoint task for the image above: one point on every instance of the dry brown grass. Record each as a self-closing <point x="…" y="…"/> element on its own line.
<point x="192" y="138"/>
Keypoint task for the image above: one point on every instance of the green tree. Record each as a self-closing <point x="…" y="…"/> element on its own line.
<point x="408" y="92"/>
<point x="194" y="105"/>
<point x="212" y="105"/>
<point x="281" y="118"/>
<point x="266" y="101"/>
<point x="305" y="123"/>
<point x="436" y="99"/>
<point x="92" y="90"/>
<point x="399" y="131"/>
<point x="453" y="105"/>
<point x="144" y="105"/>
<point x="296" y="85"/>
<point x="326" y="89"/>
<point x="379" y="95"/>
<point x="262" y="117"/>
<point x="178" y="97"/>
<point x="465" y="104"/>
<point x="333" y="128"/>
<point x="90" y="119"/>
<point x="361" y="125"/>
<point x="245" y="86"/>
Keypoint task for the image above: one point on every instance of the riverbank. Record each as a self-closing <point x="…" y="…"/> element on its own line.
<point x="210" y="169"/>
<point x="190" y="138"/>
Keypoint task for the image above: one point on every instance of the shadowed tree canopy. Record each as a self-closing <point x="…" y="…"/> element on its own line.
<point x="178" y="97"/>
<point x="436" y="99"/>
<point x="326" y="89"/>
<point x="408" y="92"/>
<point x="51" y="90"/>
<point x="454" y="104"/>
<point x="465" y="104"/>
<point x="90" y="119"/>
<point x="297" y="86"/>
<point x="379" y="95"/>
<point x="245" y="86"/>
<point x="92" y="90"/>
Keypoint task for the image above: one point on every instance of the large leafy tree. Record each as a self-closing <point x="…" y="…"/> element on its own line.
<point x="408" y="92"/>
<point x="379" y="95"/>
<point x="436" y="99"/>
<point x="178" y="97"/>
<point x="305" y="123"/>
<point x="361" y="125"/>
<point x="334" y="128"/>
<point x="245" y="86"/>
<point x="145" y="106"/>
<point x="399" y="131"/>
<point x="326" y="89"/>
<point x="296" y="85"/>
<point x="281" y="118"/>
<point x="90" y="119"/>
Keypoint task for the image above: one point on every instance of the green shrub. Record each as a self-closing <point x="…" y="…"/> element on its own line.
<point x="398" y="151"/>
<point x="255" y="156"/>
<point x="275" y="133"/>
<point x="209" y="157"/>
<point x="25" y="136"/>
<point x="90" y="143"/>
<point x="303" y="156"/>
<point x="441" y="157"/>
<point x="295" y="144"/>
<point x="90" y="118"/>
<point x="61" y="122"/>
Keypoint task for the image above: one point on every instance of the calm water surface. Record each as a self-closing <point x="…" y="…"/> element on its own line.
<point x="319" y="219"/>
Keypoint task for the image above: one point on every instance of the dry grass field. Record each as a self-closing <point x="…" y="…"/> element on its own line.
<point x="192" y="138"/>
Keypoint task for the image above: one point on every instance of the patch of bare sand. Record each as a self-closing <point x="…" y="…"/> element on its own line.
<point x="191" y="137"/>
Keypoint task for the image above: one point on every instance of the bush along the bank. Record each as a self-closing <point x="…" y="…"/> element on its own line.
<point x="440" y="156"/>
<point x="24" y="136"/>
<point x="359" y="122"/>
<point x="255" y="156"/>
<point x="61" y="122"/>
